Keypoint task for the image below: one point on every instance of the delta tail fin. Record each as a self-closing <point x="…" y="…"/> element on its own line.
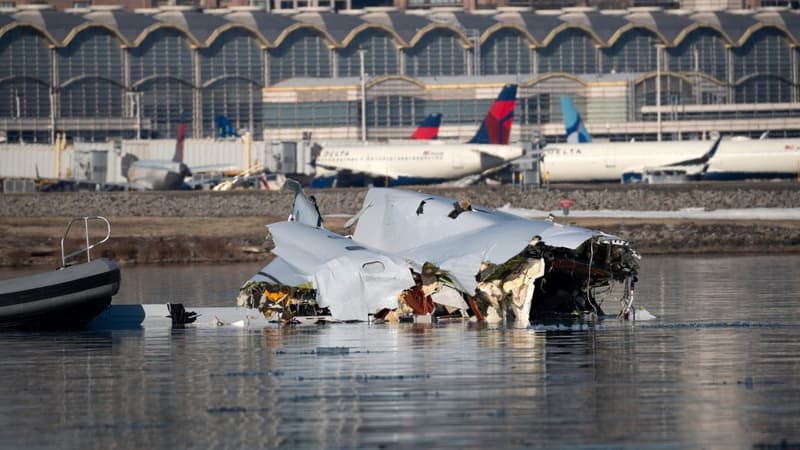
<point x="225" y="128"/>
<point x="178" y="156"/>
<point x="429" y="128"/>
<point x="575" y="128"/>
<point x="496" y="126"/>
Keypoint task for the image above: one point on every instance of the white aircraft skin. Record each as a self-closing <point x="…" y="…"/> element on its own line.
<point x="607" y="161"/>
<point x="734" y="159"/>
<point x="428" y="161"/>
<point x="425" y="161"/>
<point x="399" y="231"/>
<point x="150" y="174"/>
<point x="157" y="175"/>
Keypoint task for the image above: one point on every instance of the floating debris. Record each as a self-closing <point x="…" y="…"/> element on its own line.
<point x="413" y="256"/>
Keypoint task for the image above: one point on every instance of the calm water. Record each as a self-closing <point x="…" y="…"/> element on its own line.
<point x="719" y="368"/>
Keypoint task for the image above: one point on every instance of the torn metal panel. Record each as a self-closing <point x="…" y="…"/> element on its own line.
<point x="398" y="221"/>
<point x="462" y="240"/>
<point x="280" y="272"/>
<point x="304" y="208"/>
<point x="350" y="279"/>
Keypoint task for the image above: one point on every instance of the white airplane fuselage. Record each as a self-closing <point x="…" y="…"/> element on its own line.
<point x="607" y="161"/>
<point x="157" y="175"/>
<point x="433" y="160"/>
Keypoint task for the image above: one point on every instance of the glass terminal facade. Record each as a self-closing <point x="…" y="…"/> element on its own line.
<point x="112" y="73"/>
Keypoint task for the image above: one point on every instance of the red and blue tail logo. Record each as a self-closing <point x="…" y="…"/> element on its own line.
<point x="429" y="128"/>
<point x="178" y="156"/>
<point x="496" y="126"/>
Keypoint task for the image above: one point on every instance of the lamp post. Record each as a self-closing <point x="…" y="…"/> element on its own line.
<point x="658" y="92"/>
<point x="696" y="54"/>
<point x="363" y="77"/>
<point x="18" y="113"/>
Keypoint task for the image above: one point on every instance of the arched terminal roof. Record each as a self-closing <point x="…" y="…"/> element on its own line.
<point x="59" y="26"/>
<point x="787" y="21"/>
<point x="5" y="20"/>
<point x="271" y="26"/>
<point x="202" y="27"/>
<point x="668" y="26"/>
<point x="338" y="26"/>
<point x="603" y="26"/>
<point x="540" y="27"/>
<point x="464" y="21"/>
<point x="131" y="26"/>
<point x="405" y="25"/>
<point x="733" y="26"/>
<point x="407" y="28"/>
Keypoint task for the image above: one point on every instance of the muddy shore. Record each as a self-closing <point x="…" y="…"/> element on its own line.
<point x="202" y="226"/>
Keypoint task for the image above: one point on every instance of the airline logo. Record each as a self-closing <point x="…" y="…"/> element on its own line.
<point x="496" y="126"/>
<point x="573" y="124"/>
<point x="429" y="128"/>
<point x="178" y="157"/>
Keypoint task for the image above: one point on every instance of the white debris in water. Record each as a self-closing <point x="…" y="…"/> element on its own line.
<point x="640" y="313"/>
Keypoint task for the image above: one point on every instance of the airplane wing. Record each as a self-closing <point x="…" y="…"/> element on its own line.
<point x="674" y="172"/>
<point x="703" y="160"/>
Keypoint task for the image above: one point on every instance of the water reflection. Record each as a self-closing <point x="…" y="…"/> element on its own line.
<point x="718" y="369"/>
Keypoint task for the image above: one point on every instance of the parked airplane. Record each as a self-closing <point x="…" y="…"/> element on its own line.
<point x="157" y="174"/>
<point x="731" y="159"/>
<point x="424" y="162"/>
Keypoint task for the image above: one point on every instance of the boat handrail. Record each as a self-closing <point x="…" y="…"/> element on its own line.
<point x="89" y="246"/>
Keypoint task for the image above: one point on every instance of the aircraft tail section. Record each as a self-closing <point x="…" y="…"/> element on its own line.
<point x="225" y="128"/>
<point x="496" y="126"/>
<point x="429" y="128"/>
<point x="575" y="128"/>
<point x="178" y="156"/>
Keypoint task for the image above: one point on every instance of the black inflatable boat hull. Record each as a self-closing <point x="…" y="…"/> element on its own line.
<point x="66" y="298"/>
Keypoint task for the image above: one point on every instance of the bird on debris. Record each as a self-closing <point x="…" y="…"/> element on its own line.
<point x="459" y="207"/>
<point x="421" y="204"/>
<point x="179" y="315"/>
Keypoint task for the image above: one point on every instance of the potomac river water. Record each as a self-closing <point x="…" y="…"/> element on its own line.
<point x="718" y="368"/>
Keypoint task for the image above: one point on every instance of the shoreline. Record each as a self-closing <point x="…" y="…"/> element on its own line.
<point x="189" y="240"/>
<point x="183" y="227"/>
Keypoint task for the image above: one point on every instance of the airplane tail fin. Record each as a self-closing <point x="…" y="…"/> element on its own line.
<point x="575" y="128"/>
<point x="304" y="207"/>
<point x="178" y="157"/>
<point x="429" y="128"/>
<point x="496" y="126"/>
<point x="225" y="128"/>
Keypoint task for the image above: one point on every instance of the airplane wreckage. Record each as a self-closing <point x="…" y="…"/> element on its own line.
<point x="414" y="256"/>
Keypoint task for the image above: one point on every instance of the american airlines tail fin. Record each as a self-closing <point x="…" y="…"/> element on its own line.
<point x="178" y="156"/>
<point x="225" y="128"/>
<point x="429" y="128"/>
<point x="496" y="126"/>
<point x="575" y="128"/>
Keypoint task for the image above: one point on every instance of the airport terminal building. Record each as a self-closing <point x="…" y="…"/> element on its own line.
<point x="643" y="73"/>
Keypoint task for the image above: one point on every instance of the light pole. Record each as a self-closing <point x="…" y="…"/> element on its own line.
<point x="696" y="55"/>
<point x="658" y="92"/>
<point x="19" y="114"/>
<point x="363" y="76"/>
